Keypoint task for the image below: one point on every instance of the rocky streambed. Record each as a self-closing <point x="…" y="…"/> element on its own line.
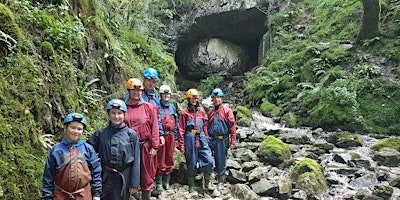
<point x="351" y="168"/>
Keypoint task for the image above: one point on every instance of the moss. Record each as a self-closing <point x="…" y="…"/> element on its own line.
<point x="87" y="8"/>
<point x="384" y="191"/>
<point x="393" y="143"/>
<point x="345" y="139"/>
<point x="387" y="156"/>
<point x="308" y="176"/>
<point x="47" y="49"/>
<point x="243" y="116"/>
<point x="274" y="151"/>
<point x="289" y="119"/>
<point x="242" y="112"/>
<point x="10" y="28"/>
<point x="326" y="146"/>
<point x="269" y="109"/>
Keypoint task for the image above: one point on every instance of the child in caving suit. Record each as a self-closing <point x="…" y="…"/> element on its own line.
<point x="72" y="169"/>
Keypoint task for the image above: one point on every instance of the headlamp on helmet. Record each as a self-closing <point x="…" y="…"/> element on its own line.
<point x="116" y="103"/>
<point x="192" y="93"/>
<point x="150" y="73"/>
<point x="75" y="117"/>
<point x="165" y="89"/>
<point x="134" y="83"/>
<point x="217" y="92"/>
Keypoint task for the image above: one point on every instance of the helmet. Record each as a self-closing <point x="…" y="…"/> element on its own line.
<point x="165" y="89"/>
<point x="75" y="117"/>
<point x="217" y="92"/>
<point x="116" y="103"/>
<point x="150" y="73"/>
<point x="192" y="93"/>
<point x="134" y="83"/>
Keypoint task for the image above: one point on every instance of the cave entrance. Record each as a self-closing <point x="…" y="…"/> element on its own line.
<point x="244" y="28"/>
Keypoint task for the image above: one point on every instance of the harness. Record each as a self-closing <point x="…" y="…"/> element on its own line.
<point x="71" y="195"/>
<point x="113" y="170"/>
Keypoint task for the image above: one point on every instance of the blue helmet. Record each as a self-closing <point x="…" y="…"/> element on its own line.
<point x="150" y="73"/>
<point x="217" y="92"/>
<point x="116" y="103"/>
<point x="75" y="117"/>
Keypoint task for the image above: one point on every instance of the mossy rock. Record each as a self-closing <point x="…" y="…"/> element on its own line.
<point x="273" y="151"/>
<point x="10" y="28"/>
<point x="289" y="120"/>
<point x="384" y="191"/>
<point x="393" y="143"/>
<point x="308" y="176"/>
<point x="244" y="122"/>
<point x="344" y="139"/>
<point x="269" y="109"/>
<point x="243" y="116"/>
<point x="387" y="157"/>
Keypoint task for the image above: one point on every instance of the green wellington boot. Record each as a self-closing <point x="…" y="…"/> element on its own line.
<point x="221" y="180"/>
<point x="146" y="195"/>
<point x="191" y="184"/>
<point x="167" y="178"/>
<point x="207" y="182"/>
<point x="159" y="182"/>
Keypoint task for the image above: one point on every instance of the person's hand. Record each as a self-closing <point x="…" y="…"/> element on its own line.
<point x="153" y="152"/>
<point x="232" y="146"/>
<point x="177" y="144"/>
<point x="96" y="198"/>
<point x="182" y="149"/>
<point x="162" y="140"/>
<point x="132" y="191"/>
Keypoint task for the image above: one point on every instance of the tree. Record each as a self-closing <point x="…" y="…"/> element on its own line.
<point x="370" y="22"/>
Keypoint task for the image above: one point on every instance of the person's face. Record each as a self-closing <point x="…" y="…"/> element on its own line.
<point x="193" y="101"/>
<point x="135" y="94"/>
<point x="166" y="97"/>
<point x="73" y="131"/>
<point x="149" y="84"/>
<point x="217" y="100"/>
<point x="116" y="116"/>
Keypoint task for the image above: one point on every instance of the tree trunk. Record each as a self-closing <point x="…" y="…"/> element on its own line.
<point x="370" y="21"/>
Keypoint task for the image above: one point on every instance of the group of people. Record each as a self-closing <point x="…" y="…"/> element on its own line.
<point x="136" y="149"/>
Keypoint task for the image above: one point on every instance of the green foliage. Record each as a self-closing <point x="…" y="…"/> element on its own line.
<point x="66" y="32"/>
<point x="342" y="24"/>
<point x="333" y="107"/>
<point x="67" y="62"/>
<point x="88" y="97"/>
<point x="310" y="58"/>
<point x="207" y="85"/>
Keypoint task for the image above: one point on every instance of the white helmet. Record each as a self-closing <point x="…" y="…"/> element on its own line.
<point x="165" y="89"/>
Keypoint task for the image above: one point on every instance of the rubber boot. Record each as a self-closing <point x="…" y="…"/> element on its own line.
<point x="207" y="182"/>
<point x="221" y="180"/>
<point x="145" y="194"/>
<point x="191" y="184"/>
<point x="167" y="178"/>
<point x="159" y="182"/>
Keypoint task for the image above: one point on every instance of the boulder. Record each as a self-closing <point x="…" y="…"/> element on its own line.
<point x="273" y="151"/>
<point x="308" y="176"/>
